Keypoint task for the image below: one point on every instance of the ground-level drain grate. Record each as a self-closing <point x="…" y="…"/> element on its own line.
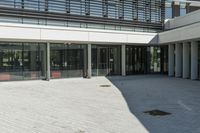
<point x="105" y="85"/>
<point x="157" y="113"/>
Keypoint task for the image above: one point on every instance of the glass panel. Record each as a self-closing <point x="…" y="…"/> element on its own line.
<point x="164" y="59"/>
<point x="155" y="61"/>
<point x="11" y="64"/>
<point x="34" y="58"/>
<point x="20" y="61"/>
<point x="68" y="60"/>
<point x="136" y="60"/>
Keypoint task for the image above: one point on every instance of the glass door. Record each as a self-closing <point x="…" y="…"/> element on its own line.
<point x="106" y="60"/>
<point x="114" y="60"/>
<point x="68" y="60"/>
<point x="102" y="61"/>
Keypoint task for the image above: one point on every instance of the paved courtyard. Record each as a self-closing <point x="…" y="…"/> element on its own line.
<point x="84" y="106"/>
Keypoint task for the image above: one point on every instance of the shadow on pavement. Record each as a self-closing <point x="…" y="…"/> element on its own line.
<point x="179" y="98"/>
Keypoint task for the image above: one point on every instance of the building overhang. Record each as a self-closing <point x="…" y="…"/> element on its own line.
<point x="186" y="33"/>
<point x="184" y="28"/>
<point x="39" y="33"/>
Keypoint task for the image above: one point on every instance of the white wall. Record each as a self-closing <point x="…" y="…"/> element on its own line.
<point x="185" y="20"/>
<point x="26" y="32"/>
<point x="185" y="33"/>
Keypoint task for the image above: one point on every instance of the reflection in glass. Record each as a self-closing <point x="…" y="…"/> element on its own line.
<point x="155" y="60"/>
<point x="136" y="60"/>
<point x="22" y="61"/>
<point x="164" y="59"/>
<point x="68" y="60"/>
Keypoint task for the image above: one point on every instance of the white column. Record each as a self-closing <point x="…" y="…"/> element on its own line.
<point x="123" y="60"/>
<point x="171" y="59"/>
<point x="194" y="60"/>
<point x="89" y="61"/>
<point x="48" y="62"/>
<point x="186" y="60"/>
<point x="178" y="60"/>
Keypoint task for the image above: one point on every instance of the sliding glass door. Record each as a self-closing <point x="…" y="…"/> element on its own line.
<point x="106" y="60"/>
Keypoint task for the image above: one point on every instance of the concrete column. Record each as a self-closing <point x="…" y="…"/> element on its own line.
<point x="123" y="60"/>
<point x="85" y="58"/>
<point x="194" y="60"/>
<point x="171" y="60"/>
<point x="89" y="61"/>
<point x="178" y="60"/>
<point x="48" y="62"/>
<point x="186" y="60"/>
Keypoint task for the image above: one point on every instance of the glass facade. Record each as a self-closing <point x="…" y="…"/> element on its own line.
<point x="106" y="60"/>
<point x="22" y="61"/>
<point x="28" y="61"/>
<point x="131" y="15"/>
<point x="68" y="60"/>
<point x="146" y="59"/>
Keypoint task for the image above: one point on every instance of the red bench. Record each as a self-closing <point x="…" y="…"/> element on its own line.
<point x="5" y="77"/>
<point x="56" y="74"/>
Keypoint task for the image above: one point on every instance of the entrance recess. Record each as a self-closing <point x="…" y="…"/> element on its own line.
<point x="106" y="60"/>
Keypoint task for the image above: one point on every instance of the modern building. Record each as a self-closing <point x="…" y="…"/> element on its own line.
<point x="47" y="39"/>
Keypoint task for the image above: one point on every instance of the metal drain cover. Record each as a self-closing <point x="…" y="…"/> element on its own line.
<point x="157" y="113"/>
<point x="105" y="85"/>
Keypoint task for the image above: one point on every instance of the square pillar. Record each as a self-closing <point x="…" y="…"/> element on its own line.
<point x="171" y="60"/>
<point x="186" y="60"/>
<point x="194" y="60"/>
<point x="48" y="76"/>
<point x="89" y="72"/>
<point x="178" y="60"/>
<point x="123" y="67"/>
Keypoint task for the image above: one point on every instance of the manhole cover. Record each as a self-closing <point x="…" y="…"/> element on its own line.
<point x="157" y="113"/>
<point x="105" y="85"/>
